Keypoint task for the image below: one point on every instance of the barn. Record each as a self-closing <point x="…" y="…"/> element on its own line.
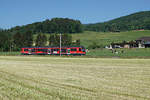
<point x="144" y="41"/>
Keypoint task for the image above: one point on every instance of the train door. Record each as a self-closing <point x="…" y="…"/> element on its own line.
<point x="55" y="51"/>
<point x="29" y="51"/>
<point x="68" y="51"/>
<point x="49" y="51"/>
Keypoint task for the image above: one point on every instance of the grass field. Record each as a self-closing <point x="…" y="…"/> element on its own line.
<point x="62" y="78"/>
<point x="106" y="38"/>
<point x="103" y="53"/>
<point x="10" y="53"/>
<point x="127" y="53"/>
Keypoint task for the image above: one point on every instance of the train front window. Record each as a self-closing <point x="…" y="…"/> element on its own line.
<point x="83" y="50"/>
<point x="79" y="49"/>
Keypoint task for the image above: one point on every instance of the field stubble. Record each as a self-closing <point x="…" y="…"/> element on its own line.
<point x="59" y="78"/>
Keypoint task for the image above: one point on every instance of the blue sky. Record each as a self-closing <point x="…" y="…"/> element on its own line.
<point x="22" y="12"/>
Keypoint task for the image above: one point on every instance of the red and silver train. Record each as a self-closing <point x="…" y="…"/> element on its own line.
<point x="73" y="50"/>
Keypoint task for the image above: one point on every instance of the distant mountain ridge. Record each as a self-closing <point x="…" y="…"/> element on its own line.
<point x="136" y="21"/>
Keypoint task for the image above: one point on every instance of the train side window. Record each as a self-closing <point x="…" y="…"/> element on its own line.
<point x="44" y="50"/>
<point x="25" y="49"/>
<point x="74" y="49"/>
<point x="63" y="50"/>
<point x="33" y="50"/>
<point x="40" y="49"/>
<point x="49" y="50"/>
<point x="56" y="49"/>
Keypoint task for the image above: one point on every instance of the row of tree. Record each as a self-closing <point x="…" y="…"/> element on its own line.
<point x="9" y="42"/>
<point x="5" y="40"/>
<point x="22" y="36"/>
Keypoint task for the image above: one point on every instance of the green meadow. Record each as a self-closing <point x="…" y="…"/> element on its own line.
<point x="9" y="53"/>
<point x="106" y="38"/>
<point x="121" y="53"/>
<point x="99" y="75"/>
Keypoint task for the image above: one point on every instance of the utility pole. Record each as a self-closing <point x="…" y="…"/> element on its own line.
<point x="60" y="44"/>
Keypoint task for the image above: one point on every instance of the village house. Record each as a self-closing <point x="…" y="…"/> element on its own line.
<point x="143" y="42"/>
<point x="125" y="44"/>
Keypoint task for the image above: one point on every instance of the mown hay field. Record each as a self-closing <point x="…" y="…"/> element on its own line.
<point x="63" y="78"/>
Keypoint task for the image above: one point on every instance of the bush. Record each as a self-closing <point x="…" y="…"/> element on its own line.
<point x="94" y="45"/>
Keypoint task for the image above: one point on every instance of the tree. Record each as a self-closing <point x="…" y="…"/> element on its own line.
<point x="54" y="39"/>
<point x="18" y="41"/>
<point x="41" y="40"/>
<point x="5" y="41"/>
<point x="28" y="39"/>
<point x="66" y="39"/>
<point x="51" y="40"/>
<point x="94" y="45"/>
<point x="55" y="25"/>
<point x="1" y="29"/>
<point x="78" y="42"/>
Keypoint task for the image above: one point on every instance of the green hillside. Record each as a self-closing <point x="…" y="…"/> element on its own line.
<point x="125" y="28"/>
<point x="54" y="25"/>
<point x="105" y="38"/>
<point x="136" y="21"/>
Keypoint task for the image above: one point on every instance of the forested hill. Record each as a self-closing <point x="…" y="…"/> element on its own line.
<point x="136" y="21"/>
<point x="55" y="25"/>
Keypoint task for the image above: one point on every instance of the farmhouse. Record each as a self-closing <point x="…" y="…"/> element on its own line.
<point x="125" y="44"/>
<point x="144" y="41"/>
